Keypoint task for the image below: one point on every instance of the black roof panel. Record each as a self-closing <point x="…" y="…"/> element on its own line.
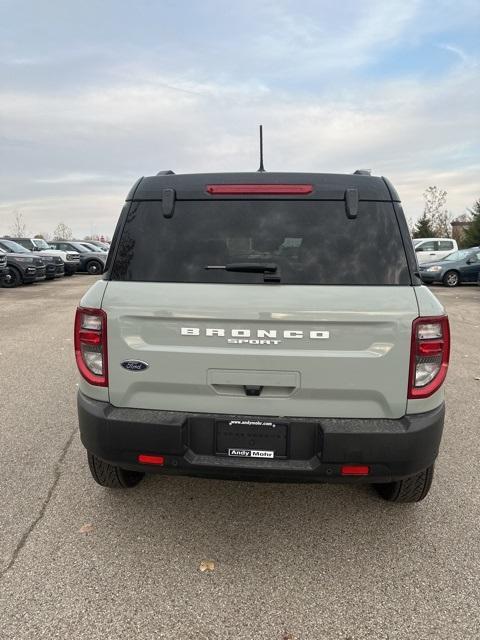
<point x="326" y="186"/>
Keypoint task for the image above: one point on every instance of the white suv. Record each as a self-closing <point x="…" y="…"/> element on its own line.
<point x="229" y="338"/>
<point x="431" y="249"/>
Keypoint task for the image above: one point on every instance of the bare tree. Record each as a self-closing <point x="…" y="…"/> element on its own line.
<point x="436" y="212"/>
<point x="62" y="232"/>
<point x="18" y="228"/>
<point x="411" y="225"/>
<point x="44" y="235"/>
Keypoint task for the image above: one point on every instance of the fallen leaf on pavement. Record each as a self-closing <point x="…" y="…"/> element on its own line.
<point x="207" y="565"/>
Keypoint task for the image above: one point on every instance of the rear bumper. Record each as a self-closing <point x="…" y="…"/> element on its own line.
<point x="317" y="448"/>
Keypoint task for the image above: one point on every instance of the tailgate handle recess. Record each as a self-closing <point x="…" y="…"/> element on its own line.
<point x="267" y="384"/>
<point x="252" y="390"/>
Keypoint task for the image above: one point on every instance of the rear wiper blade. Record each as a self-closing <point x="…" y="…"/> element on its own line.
<point x="246" y="267"/>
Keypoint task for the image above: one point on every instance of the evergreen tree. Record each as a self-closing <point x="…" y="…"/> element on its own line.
<point x="472" y="233"/>
<point x="423" y="228"/>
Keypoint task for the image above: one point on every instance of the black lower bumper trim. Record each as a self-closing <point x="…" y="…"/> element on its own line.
<point x="318" y="447"/>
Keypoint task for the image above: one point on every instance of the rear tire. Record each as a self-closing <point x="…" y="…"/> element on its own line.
<point x="451" y="279"/>
<point x="412" y="489"/>
<point x="12" y="278"/>
<point x="111" y="476"/>
<point x="94" y="268"/>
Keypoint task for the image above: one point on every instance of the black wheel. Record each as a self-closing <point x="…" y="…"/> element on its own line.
<point x="108" y="475"/>
<point x="412" y="489"/>
<point x="451" y="279"/>
<point x="12" y="278"/>
<point x="94" y="267"/>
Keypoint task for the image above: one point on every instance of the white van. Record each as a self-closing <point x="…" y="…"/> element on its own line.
<point x="431" y="249"/>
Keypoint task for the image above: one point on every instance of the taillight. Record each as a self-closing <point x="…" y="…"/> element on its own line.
<point x="145" y="458"/>
<point x="260" y="189"/>
<point x="91" y="345"/>
<point x="429" y="356"/>
<point x="354" y="470"/>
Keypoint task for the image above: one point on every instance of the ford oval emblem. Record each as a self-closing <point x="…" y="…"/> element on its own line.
<point x="134" y="365"/>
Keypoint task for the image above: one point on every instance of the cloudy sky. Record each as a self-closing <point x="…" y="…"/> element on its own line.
<point x="94" y="94"/>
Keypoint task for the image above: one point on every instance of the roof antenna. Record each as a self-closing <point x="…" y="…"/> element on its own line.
<point x="261" y="168"/>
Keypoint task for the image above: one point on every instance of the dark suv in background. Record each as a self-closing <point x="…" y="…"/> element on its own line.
<point x="91" y="262"/>
<point x="3" y="265"/>
<point x="20" y="269"/>
<point x="38" y="262"/>
<point x="53" y="264"/>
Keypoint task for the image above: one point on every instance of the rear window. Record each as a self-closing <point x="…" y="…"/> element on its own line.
<point x="310" y="242"/>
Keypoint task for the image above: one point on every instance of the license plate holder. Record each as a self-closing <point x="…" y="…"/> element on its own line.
<point x="251" y="438"/>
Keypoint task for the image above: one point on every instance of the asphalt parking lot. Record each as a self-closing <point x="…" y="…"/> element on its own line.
<point x="291" y="561"/>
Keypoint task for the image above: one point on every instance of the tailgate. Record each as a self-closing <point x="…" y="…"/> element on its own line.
<point x="275" y="350"/>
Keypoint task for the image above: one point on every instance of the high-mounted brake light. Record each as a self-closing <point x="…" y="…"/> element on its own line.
<point x="91" y="345"/>
<point x="429" y="356"/>
<point x="260" y="189"/>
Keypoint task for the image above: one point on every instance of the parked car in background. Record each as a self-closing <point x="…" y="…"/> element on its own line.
<point x="99" y="243"/>
<point x="53" y="264"/>
<point x="3" y="265"/>
<point x="91" y="247"/>
<point x="20" y="270"/>
<point x="38" y="261"/>
<point x="91" y="262"/>
<point x="70" y="259"/>
<point x="430" y="249"/>
<point x="457" y="268"/>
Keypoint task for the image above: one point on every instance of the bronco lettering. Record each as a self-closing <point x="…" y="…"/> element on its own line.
<point x="292" y="334"/>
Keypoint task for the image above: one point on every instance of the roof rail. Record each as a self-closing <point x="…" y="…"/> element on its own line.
<point x="362" y="172"/>
<point x="168" y="172"/>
